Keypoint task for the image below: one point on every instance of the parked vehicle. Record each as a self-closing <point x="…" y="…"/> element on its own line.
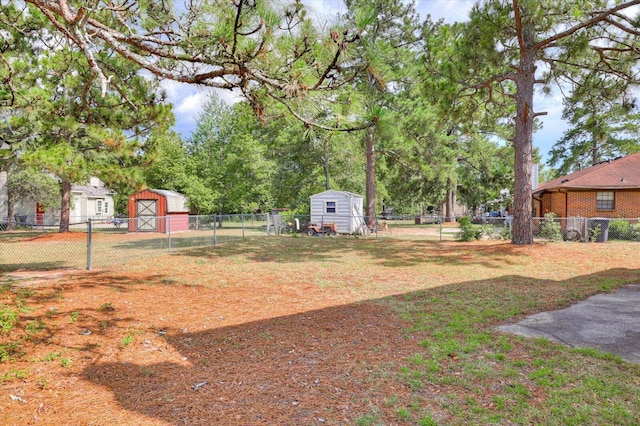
<point x="325" y="229"/>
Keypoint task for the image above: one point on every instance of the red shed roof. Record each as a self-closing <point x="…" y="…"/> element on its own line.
<point x="621" y="173"/>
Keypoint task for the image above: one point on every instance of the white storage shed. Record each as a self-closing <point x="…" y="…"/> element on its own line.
<point x="342" y="208"/>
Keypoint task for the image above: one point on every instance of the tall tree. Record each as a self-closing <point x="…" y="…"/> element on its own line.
<point x="389" y="32"/>
<point x="69" y="127"/>
<point x="511" y="46"/>
<point x="604" y="122"/>
<point x="229" y="158"/>
<point x="448" y="139"/>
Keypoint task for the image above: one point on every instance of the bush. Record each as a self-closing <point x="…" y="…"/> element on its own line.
<point x="469" y="231"/>
<point x="594" y="232"/>
<point x="635" y="231"/>
<point x="620" y="229"/>
<point x="550" y="229"/>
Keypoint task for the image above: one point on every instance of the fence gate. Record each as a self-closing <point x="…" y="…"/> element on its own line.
<point x="146" y="212"/>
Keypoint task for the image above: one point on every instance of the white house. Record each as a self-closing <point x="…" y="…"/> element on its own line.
<point x="87" y="201"/>
<point x="342" y="208"/>
<point x="93" y="201"/>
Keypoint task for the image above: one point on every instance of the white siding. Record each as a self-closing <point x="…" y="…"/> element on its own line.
<point x="346" y="216"/>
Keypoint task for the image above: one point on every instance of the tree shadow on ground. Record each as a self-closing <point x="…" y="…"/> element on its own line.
<point x="332" y="365"/>
<point x="35" y="266"/>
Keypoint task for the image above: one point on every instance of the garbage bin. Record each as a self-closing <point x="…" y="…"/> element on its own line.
<point x="603" y="223"/>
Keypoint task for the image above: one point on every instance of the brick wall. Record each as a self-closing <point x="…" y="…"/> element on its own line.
<point x="583" y="204"/>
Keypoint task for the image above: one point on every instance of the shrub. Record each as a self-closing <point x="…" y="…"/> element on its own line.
<point x="620" y="229"/>
<point x="635" y="231"/>
<point x="550" y="229"/>
<point x="594" y="232"/>
<point x="469" y="231"/>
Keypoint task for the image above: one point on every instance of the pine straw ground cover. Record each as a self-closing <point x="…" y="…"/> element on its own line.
<point x="305" y="331"/>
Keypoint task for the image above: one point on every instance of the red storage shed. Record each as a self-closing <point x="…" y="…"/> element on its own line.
<point x="158" y="210"/>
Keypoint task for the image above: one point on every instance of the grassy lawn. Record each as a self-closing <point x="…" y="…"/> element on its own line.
<point x="315" y="331"/>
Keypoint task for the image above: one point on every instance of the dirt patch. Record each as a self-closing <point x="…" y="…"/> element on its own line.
<point x="198" y="355"/>
<point x="58" y="237"/>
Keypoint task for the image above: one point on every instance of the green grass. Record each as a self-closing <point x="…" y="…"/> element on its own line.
<point x="8" y="319"/>
<point x="505" y="376"/>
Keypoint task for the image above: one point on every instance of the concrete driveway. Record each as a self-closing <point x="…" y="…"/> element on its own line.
<point x="609" y="322"/>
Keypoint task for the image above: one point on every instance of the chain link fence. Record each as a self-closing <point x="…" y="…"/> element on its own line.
<point x="33" y="246"/>
<point x="597" y="229"/>
<point x="100" y="243"/>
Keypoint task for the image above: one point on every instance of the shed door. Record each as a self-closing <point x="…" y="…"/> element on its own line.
<point x="146" y="212"/>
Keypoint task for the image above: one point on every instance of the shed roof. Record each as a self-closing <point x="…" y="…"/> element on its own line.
<point x="621" y="173"/>
<point x="176" y="202"/>
<point x="336" y="192"/>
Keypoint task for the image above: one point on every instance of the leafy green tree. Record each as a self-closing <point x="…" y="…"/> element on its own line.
<point x="306" y="161"/>
<point x="485" y="171"/>
<point x="169" y="168"/>
<point x="229" y="158"/>
<point x="446" y="146"/>
<point x="28" y="185"/>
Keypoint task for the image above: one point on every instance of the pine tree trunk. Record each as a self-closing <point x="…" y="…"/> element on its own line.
<point x="522" y="229"/>
<point x="10" y="203"/>
<point x="371" y="177"/>
<point x="325" y="166"/>
<point x="65" y="206"/>
<point x="449" y="208"/>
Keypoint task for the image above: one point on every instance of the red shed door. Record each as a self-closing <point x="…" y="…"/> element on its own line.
<point x="147" y="210"/>
<point x="39" y="214"/>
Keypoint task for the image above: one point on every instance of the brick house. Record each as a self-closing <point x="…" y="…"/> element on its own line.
<point x="610" y="189"/>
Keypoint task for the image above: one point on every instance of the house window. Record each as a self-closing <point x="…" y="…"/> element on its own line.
<point x="330" y="207"/>
<point x="99" y="206"/>
<point x="605" y="200"/>
<point x="106" y="207"/>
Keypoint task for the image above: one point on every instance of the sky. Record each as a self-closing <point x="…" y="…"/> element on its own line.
<point x="188" y="100"/>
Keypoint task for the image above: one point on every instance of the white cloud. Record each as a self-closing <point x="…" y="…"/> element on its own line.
<point x="191" y="106"/>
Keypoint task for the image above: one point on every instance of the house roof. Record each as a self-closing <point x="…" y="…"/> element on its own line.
<point x="92" y="191"/>
<point x="621" y="173"/>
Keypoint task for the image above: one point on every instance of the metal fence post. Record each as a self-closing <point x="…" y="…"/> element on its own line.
<point x="441" y="218"/>
<point x="89" y="245"/>
<point x="215" y="226"/>
<point x="242" y="220"/>
<point x="167" y="224"/>
<point x="268" y="224"/>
